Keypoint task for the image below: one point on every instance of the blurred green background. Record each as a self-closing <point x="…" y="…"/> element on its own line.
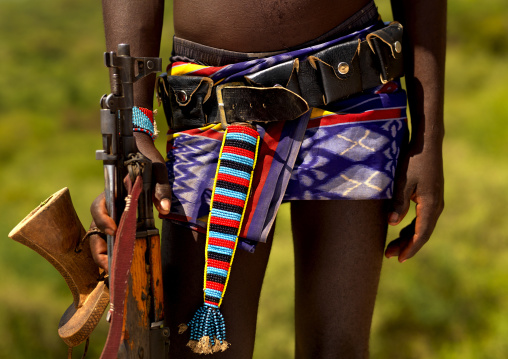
<point x="450" y="301"/>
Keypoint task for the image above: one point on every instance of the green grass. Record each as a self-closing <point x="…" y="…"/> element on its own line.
<point x="447" y="302"/>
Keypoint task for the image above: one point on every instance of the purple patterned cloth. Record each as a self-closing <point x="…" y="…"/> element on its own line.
<point x="347" y="150"/>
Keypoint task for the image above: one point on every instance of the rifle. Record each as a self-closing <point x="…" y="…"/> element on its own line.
<point x="53" y="230"/>
<point x="136" y="311"/>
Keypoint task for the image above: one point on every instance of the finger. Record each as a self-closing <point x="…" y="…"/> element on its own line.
<point x="400" y="207"/>
<point x="401" y="197"/>
<point x="101" y="217"/>
<point x="99" y="250"/>
<point x="393" y="248"/>
<point x="427" y="214"/>
<point x="162" y="198"/>
<point x="399" y="244"/>
<point x="162" y="192"/>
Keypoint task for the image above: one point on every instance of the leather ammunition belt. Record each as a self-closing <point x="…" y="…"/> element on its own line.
<point x="287" y="90"/>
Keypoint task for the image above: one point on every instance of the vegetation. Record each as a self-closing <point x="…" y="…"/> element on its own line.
<point x="448" y="302"/>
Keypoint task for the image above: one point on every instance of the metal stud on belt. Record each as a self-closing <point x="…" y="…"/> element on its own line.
<point x="398" y="47"/>
<point x="343" y="68"/>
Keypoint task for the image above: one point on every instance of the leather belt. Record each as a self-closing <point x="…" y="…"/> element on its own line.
<point x="287" y="90"/>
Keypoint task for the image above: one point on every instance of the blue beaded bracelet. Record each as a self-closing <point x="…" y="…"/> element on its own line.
<point x="142" y="121"/>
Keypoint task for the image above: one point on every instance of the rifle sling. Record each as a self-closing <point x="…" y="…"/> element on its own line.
<point x="121" y="264"/>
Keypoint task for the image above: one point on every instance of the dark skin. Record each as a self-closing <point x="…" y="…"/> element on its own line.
<point x="259" y="26"/>
<point x="420" y="177"/>
<point x="349" y="252"/>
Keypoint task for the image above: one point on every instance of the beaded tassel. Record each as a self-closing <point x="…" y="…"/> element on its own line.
<point x="230" y="193"/>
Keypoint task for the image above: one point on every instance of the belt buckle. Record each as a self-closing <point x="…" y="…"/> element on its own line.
<point x="220" y="102"/>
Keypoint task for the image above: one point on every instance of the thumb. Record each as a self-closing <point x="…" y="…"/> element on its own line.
<point x="162" y="192"/>
<point x="400" y="201"/>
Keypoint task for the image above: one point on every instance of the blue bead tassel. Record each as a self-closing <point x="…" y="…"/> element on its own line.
<point x="207" y="331"/>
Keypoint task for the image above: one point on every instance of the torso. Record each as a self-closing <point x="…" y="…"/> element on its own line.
<point x="259" y="26"/>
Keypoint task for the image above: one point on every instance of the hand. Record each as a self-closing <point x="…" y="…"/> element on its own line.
<point x="161" y="196"/>
<point x="420" y="179"/>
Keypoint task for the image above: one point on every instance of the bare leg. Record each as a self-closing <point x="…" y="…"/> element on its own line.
<point x="338" y="255"/>
<point x="183" y="256"/>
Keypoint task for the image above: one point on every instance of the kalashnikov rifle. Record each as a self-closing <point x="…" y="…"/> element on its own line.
<point x="54" y="231"/>
<point x="136" y="310"/>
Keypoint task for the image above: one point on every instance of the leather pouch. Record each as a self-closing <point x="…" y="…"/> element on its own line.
<point x="183" y="98"/>
<point x="338" y="70"/>
<point x="284" y="74"/>
<point x="386" y="44"/>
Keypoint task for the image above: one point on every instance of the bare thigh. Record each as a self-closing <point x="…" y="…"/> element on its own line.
<point x="338" y="255"/>
<point x="183" y="256"/>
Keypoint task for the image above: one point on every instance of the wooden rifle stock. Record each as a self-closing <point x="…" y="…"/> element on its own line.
<point x="143" y="330"/>
<point x="54" y="231"/>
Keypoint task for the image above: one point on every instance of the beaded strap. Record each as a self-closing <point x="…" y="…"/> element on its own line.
<point x="143" y="121"/>
<point x="230" y="193"/>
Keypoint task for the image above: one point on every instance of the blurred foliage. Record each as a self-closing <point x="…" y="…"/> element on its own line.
<point x="447" y="302"/>
<point x="479" y="27"/>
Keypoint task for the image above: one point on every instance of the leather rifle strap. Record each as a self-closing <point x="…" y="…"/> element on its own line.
<point x="120" y="266"/>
